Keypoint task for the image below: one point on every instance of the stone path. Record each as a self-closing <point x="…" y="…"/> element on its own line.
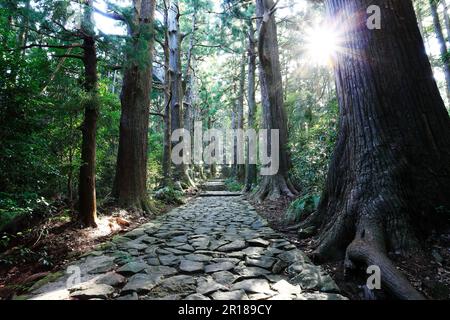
<point x="214" y="247"/>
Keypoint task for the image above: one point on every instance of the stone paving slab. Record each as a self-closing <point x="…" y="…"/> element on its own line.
<point x="213" y="248"/>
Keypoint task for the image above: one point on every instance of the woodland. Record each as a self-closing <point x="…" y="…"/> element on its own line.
<point x="91" y="91"/>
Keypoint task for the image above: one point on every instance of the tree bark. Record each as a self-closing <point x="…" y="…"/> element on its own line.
<point x="188" y="91"/>
<point x="442" y="45"/>
<point x="240" y="174"/>
<point x="86" y="191"/>
<point x="167" y="149"/>
<point x="250" y="179"/>
<point x="176" y="85"/>
<point x="130" y="186"/>
<point x="274" y="113"/>
<point x="389" y="171"/>
<point x="446" y="19"/>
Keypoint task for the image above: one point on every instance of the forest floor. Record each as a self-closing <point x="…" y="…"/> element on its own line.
<point x="53" y="242"/>
<point x="429" y="273"/>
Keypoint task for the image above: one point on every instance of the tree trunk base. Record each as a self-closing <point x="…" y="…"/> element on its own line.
<point x="273" y="188"/>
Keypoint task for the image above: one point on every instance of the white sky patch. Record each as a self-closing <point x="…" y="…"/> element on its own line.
<point x="107" y="25"/>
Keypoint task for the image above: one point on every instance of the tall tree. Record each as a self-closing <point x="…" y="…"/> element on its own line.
<point x="442" y="44"/>
<point x="274" y="115"/>
<point x="446" y="19"/>
<point x="240" y="174"/>
<point x="250" y="178"/>
<point x="87" y="193"/>
<point x="167" y="148"/>
<point x="130" y="185"/>
<point x="176" y="83"/>
<point x="390" y="171"/>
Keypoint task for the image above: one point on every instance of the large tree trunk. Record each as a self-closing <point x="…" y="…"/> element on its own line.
<point x="176" y="85"/>
<point x="442" y="45"/>
<point x="390" y="168"/>
<point x="274" y="114"/>
<point x="86" y="191"/>
<point x="250" y="178"/>
<point x="130" y="185"/>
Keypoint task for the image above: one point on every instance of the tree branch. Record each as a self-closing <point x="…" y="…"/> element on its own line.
<point x="110" y="15"/>
<point x="36" y="45"/>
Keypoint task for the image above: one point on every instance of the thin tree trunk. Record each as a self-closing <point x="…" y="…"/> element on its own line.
<point x="389" y="171"/>
<point x="250" y="179"/>
<point x="240" y="174"/>
<point x="188" y="91"/>
<point x="442" y="45"/>
<point x="87" y="193"/>
<point x="274" y="113"/>
<point x="167" y="162"/>
<point x="446" y="19"/>
<point x="130" y="185"/>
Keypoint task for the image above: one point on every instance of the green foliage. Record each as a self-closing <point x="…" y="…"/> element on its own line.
<point x="232" y="185"/>
<point x="169" y="195"/>
<point x="312" y="146"/>
<point x="13" y="206"/>
<point x="302" y="207"/>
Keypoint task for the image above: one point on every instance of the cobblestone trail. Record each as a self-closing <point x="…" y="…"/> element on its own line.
<point x="214" y="247"/>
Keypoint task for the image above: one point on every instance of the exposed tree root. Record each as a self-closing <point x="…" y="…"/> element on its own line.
<point x="360" y="251"/>
<point x="368" y="248"/>
<point x="274" y="187"/>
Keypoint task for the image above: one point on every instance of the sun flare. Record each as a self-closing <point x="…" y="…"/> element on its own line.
<point x="322" y="45"/>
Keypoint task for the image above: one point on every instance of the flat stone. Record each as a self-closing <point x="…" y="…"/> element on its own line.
<point x="313" y="278"/>
<point x="262" y="262"/>
<point x="134" y="234"/>
<point x="153" y="261"/>
<point x="230" y="295"/>
<point x="133" y="245"/>
<point x="222" y="266"/>
<point x="178" y="284"/>
<point x="285" y="288"/>
<point x="198" y="257"/>
<point x="253" y="286"/>
<point x="250" y="272"/>
<point x="176" y="252"/>
<point x="161" y="270"/>
<point x="207" y="286"/>
<point x="200" y="244"/>
<point x="224" y="277"/>
<point x="112" y="279"/>
<point x="90" y="291"/>
<point x="132" y="268"/>
<point x="258" y="242"/>
<point x="191" y="266"/>
<point x="186" y="247"/>
<point x="253" y="251"/>
<point x="233" y="246"/>
<point x="169" y="260"/>
<point x="293" y="256"/>
<point x="142" y="283"/>
<point x="197" y="296"/>
<point x="101" y="264"/>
